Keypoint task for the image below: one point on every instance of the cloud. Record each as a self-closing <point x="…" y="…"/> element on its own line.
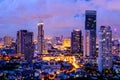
<point x="61" y="14"/>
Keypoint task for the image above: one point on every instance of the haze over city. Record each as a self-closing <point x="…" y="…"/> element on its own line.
<point x="59" y="16"/>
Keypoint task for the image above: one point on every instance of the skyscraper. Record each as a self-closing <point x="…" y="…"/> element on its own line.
<point x="76" y="42"/>
<point x="90" y="33"/>
<point x="29" y="46"/>
<point x="25" y="44"/>
<point x="40" y="38"/>
<point x="7" y="41"/>
<point x="20" y="41"/>
<point x="105" y="48"/>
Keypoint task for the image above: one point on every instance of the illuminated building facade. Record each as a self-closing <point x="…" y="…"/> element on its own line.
<point x="66" y="43"/>
<point x="25" y="44"/>
<point x="40" y="38"/>
<point x="7" y="41"/>
<point x="76" y="42"/>
<point x="105" y="48"/>
<point x="90" y="33"/>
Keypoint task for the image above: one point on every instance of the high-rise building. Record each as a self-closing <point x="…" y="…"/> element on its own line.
<point x="29" y="46"/>
<point x="105" y="48"/>
<point x="7" y="41"/>
<point x="25" y="44"/>
<point x="76" y="42"/>
<point x="40" y="38"/>
<point x="20" y="41"/>
<point x="90" y="33"/>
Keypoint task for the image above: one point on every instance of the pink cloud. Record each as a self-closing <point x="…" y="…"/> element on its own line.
<point x="58" y="13"/>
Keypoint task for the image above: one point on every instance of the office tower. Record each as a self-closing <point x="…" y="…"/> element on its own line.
<point x="25" y="44"/>
<point x="90" y="33"/>
<point x="7" y="41"/>
<point x="29" y="46"/>
<point x="105" y="48"/>
<point x="20" y="41"/>
<point x="40" y="38"/>
<point x="76" y="42"/>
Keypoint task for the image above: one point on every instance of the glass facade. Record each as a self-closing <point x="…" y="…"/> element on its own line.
<point x="90" y="32"/>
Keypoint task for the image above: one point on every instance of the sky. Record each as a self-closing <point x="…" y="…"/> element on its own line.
<point x="60" y="17"/>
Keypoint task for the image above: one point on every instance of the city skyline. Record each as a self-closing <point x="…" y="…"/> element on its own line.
<point x="59" y="16"/>
<point x="59" y="39"/>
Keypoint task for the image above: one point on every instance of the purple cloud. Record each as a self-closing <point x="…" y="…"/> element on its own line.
<point x="57" y="15"/>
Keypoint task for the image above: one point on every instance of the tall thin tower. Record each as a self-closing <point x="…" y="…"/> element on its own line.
<point x="90" y="33"/>
<point x="40" y="38"/>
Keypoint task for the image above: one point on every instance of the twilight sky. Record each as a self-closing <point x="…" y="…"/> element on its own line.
<point x="60" y="17"/>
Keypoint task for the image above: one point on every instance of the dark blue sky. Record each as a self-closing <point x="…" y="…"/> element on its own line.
<point x="60" y="17"/>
